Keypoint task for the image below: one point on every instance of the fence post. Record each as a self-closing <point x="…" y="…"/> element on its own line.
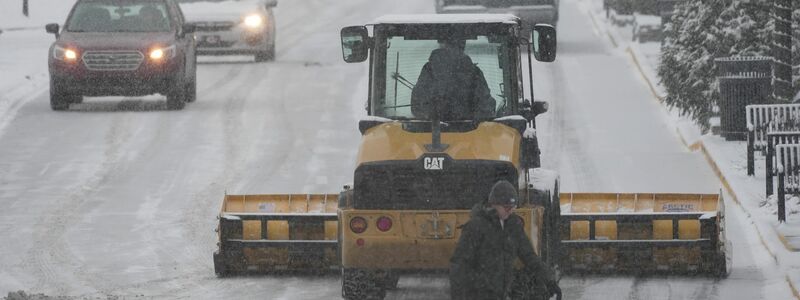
<point x="25" y="7"/>
<point x="751" y="164"/>
<point x="781" y="196"/>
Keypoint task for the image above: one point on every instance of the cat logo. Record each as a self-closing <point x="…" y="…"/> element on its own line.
<point x="433" y="163"/>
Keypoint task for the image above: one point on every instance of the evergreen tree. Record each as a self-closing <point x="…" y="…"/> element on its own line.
<point x="699" y="32"/>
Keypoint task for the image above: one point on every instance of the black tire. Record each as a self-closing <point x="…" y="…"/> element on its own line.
<point x="176" y="99"/>
<point x="268" y="54"/>
<point x="390" y="281"/>
<point x="555" y="228"/>
<point x="191" y="88"/>
<point x="59" y="99"/>
<point x="359" y="284"/>
<point x="191" y="91"/>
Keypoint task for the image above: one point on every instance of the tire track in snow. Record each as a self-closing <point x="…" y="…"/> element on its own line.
<point x="48" y="257"/>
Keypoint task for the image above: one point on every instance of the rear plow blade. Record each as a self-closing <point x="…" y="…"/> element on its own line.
<point x="644" y="233"/>
<point x="277" y="232"/>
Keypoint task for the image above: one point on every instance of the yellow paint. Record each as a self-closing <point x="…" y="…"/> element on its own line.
<point x="638" y="203"/>
<point x="284" y="203"/>
<point x="412" y="243"/>
<point x="489" y="141"/>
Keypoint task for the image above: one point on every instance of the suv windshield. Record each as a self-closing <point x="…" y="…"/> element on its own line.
<point x="119" y="16"/>
<point x="425" y="66"/>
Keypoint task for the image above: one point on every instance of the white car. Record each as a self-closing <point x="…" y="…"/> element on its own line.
<point x="233" y="27"/>
<point x="530" y="11"/>
<point x="647" y="28"/>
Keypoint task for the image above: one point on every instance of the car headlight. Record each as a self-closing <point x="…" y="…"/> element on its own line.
<point x="65" y="54"/>
<point x="253" y="21"/>
<point x="161" y="53"/>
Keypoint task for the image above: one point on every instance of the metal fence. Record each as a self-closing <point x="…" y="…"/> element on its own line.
<point x="742" y="81"/>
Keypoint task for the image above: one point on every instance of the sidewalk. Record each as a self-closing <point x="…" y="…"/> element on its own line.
<point x="727" y="158"/>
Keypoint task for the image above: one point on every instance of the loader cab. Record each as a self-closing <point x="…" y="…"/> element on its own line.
<point x="402" y="48"/>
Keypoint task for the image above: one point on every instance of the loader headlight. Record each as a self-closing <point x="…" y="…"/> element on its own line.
<point x="159" y="53"/>
<point x="65" y="54"/>
<point x="253" y="21"/>
<point x="358" y="225"/>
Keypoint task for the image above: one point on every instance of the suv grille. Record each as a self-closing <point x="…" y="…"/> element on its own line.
<point x="112" y="60"/>
<point x="214" y="26"/>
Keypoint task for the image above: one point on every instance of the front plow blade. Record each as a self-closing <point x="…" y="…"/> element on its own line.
<point x="277" y="232"/>
<point x="644" y="233"/>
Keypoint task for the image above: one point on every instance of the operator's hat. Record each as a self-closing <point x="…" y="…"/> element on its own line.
<point x="503" y="193"/>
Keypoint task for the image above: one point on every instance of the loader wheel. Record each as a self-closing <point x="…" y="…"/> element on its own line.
<point x="390" y="281"/>
<point x="359" y="284"/>
<point x="554" y="233"/>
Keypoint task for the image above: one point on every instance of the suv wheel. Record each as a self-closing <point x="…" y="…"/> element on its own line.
<point x="266" y="55"/>
<point x="191" y="91"/>
<point x="176" y="98"/>
<point x="60" y="99"/>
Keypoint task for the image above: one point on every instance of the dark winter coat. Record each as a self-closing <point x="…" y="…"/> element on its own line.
<point x="482" y="264"/>
<point x="458" y="84"/>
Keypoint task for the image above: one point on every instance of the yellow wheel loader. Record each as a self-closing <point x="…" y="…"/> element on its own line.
<point x="421" y="167"/>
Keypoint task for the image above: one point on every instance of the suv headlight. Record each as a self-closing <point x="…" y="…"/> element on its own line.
<point x="254" y="21"/>
<point x="162" y="53"/>
<point x="65" y="54"/>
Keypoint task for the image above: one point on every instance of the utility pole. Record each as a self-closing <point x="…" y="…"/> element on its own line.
<point x="25" y="7"/>
<point x="782" y="49"/>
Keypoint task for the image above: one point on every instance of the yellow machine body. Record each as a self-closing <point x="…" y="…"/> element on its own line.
<point x="489" y="141"/>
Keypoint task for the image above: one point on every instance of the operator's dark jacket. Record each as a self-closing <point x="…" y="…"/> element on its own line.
<point x="482" y="264"/>
<point x="450" y="76"/>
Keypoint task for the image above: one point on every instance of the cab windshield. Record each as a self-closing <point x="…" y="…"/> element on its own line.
<point x="470" y="83"/>
<point x="119" y="16"/>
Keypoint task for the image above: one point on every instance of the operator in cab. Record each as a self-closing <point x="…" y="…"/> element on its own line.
<point x="454" y="84"/>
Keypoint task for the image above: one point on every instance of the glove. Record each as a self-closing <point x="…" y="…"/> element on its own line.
<point x="553" y="290"/>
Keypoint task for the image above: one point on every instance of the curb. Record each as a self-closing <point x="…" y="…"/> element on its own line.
<point x="646" y="79"/>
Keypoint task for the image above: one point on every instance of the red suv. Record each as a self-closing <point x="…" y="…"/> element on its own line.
<point x="123" y="48"/>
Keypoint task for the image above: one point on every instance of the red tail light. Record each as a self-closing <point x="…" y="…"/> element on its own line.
<point x="384" y="224"/>
<point x="358" y="225"/>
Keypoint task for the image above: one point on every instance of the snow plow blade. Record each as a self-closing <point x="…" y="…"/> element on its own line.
<point x="277" y="232"/>
<point x="644" y="233"/>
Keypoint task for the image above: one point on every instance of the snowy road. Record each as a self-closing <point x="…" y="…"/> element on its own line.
<point x="119" y="197"/>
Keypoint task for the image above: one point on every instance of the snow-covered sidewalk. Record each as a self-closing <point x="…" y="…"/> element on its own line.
<point x="727" y="158"/>
<point x="24" y="44"/>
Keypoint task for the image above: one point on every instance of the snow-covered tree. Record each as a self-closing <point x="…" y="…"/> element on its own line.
<point x="699" y="32"/>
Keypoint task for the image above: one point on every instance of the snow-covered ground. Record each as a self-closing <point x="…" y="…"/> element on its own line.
<point x="118" y="197"/>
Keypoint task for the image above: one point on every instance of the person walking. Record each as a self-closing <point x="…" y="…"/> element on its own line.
<point x="482" y="264"/>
